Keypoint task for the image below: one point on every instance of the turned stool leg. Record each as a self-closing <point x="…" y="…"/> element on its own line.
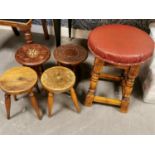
<point x="28" y="36"/>
<point x="7" y="105"/>
<point x="50" y="103"/>
<point x="128" y="86"/>
<point x="35" y="105"/>
<point x="98" y="65"/>
<point x="75" y="100"/>
<point x="124" y="78"/>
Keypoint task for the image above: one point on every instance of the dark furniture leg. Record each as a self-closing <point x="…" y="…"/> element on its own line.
<point x="16" y="32"/>
<point x="69" y="27"/>
<point x="44" y="25"/>
<point x="57" y="26"/>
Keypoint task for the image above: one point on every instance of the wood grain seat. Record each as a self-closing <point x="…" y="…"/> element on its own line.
<point x="33" y="55"/>
<point x="70" y="54"/>
<point x="18" y="80"/>
<point x="58" y="80"/>
<point x="121" y="46"/>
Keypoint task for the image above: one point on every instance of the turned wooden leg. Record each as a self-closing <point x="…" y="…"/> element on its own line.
<point x="7" y="105"/>
<point x="16" y="32"/>
<point x="124" y="78"/>
<point x="44" y="25"/>
<point x="97" y="68"/>
<point x="75" y="100"/>
<point x="35" y="105"/>
<point x="28" y="36"/>
<point x="50" y="103"/>
<point x="128" y="87"/>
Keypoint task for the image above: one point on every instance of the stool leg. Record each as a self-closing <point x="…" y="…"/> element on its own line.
<point x="128" y="87"/>
<point x="125" y="75"/>
<point x="50" y="103"/>
<point x="28" y="36"/>
<point x="7" y="105"/>
<point x="98" y="65"/>
<point x="75" y="100"/>
<point x="35" y="105"/>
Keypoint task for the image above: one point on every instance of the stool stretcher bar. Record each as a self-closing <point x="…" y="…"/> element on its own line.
<point x="108" y="101"/>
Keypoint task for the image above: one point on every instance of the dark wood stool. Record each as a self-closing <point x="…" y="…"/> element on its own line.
<point x="70" y="55"/>
<point x="121" y="46"/>
<point x="33" y="55"/>
<point x="58" y="80"/>
<point x="18" y="80"/>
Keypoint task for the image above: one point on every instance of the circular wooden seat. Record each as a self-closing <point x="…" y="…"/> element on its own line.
<point x="120" y="44"/>
<point x="32" y="55"/>
<point x="18" y="80"/>
<point x="58" y="79"/>
<point x="70" y="54"/>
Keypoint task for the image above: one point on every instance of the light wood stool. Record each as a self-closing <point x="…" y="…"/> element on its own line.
<point x="18" y="80"/>
<point x="58" y="80"/>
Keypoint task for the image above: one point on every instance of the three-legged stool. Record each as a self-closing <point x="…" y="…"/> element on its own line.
<point x="18" y="80"/>
<point x="121" y="46"/>
<point x="58" y="80"/>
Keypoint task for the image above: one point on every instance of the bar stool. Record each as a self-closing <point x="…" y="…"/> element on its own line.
<point x="121" y="46"/>
<point x="59" y="80"/>
<point x="18" y="80"/>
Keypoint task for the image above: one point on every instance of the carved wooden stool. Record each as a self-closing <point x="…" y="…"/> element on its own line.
<point x="58" y="80"/>
<point x="121" y="46"/>
<point x="70" y="55"/>
<point x="33" y="55"/>
<point x="18" y="80"/>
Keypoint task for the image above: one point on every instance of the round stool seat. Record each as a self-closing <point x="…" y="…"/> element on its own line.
<point x="70" y="54"/>
<point x="18" y="80"/>
<point x="120" y="44"/>
<point x="32" y="54"/>
<point x="58" y="79"/>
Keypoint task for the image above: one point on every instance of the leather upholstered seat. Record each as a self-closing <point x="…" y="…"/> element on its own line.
<point x="120" y="44"/>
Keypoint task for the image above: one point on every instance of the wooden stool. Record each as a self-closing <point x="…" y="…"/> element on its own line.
<point x="33" y="55"/>
<point x="58" y="80"/>
<point x="18" y="80"/>
<point x="70" y="55"/>
<point x="120" y="46"/>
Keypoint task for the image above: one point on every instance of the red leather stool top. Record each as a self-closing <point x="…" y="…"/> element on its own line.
<point x="120" y="44"/>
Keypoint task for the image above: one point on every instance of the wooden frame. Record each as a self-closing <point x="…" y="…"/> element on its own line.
<point x="127" y="82"/>
<point x="25" y="28"/>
